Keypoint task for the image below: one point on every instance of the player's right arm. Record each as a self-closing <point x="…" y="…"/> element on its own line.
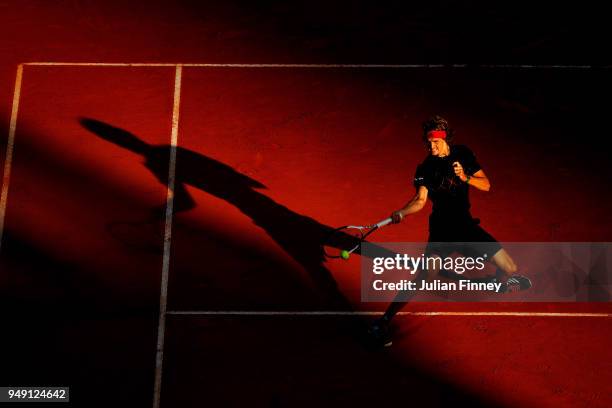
<point x="414" y="205"/>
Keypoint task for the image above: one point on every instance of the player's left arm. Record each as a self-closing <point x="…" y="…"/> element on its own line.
<point x="479" y="179"/>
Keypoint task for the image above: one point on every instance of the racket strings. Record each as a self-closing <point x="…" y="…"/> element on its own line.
<point x="343" y="239"/>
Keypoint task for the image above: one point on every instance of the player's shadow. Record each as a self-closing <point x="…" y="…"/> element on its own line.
<point x="300" y="236"/>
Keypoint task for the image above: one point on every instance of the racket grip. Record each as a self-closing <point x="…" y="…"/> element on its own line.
<point x="384" y="222"/>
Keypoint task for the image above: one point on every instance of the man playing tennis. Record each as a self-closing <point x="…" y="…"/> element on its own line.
<point x="445" y="177"/>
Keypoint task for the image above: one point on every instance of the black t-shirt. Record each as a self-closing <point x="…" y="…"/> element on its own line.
<point x="446" y="191"/>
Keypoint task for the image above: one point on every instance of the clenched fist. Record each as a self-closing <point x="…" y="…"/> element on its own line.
<point x="397" y="216"/>
<point x="458" y="168"/>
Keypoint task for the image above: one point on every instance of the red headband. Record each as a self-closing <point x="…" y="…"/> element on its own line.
<point x="436" y="134"/>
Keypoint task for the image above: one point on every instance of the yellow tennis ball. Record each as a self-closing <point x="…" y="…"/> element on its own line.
<point x="345" y="254"/>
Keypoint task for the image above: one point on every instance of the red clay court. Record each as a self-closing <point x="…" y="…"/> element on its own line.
<point x="169" y="170"/>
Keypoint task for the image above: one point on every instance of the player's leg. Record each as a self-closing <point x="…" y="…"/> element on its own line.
<point x="504" y="262"/>
<point x="403" y="297"/>
<point x="379" y="330"/>
<point x="506" y="272"/>
<point x="484" y="243"/>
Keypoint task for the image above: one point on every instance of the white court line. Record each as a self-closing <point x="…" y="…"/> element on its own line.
<point x="10" y="146"/>
<point x="220" y="65"/>
<point x="163" y="297"/>
<point x="332" y="313"/>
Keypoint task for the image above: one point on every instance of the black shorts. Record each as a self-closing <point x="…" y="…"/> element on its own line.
<point x="465" y="237"/>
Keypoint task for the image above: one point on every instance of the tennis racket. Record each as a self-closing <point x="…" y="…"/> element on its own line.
<point x="345" y="240"/>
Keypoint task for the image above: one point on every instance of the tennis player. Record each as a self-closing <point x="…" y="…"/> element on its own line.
<point x="445" y="177"/>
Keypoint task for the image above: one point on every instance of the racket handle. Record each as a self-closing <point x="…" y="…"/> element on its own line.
<point x="384" y="222"/>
